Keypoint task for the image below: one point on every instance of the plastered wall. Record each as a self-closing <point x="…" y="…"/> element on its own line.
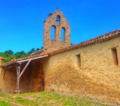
<point x="97" y="76"/>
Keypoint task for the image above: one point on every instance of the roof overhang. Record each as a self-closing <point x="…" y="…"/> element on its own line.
<point x="22" y="61"/>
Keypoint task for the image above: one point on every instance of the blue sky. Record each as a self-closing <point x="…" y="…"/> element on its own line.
<point x="21" y="21"/>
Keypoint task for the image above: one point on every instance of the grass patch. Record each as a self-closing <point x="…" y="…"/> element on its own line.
<point x="23" y="101"/>
<point x="49" y="99"/>
<point x="2" y="95"/>
<point x="3" y="103"/>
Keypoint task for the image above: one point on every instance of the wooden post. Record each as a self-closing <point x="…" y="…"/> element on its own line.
<point x="18" y="79"/>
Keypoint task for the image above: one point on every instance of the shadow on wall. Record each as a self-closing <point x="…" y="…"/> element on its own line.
<point x="69" y="80"/>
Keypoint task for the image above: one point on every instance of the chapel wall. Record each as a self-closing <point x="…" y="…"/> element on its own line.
<point x="36" y="76"/>
<point x="7" y="80"/>
<point x="97" y="75"/>
<point x="25" y="79"/>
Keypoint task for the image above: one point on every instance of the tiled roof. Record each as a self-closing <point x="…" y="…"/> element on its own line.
<point x="15" y="60"/>
<point x="3" y="58"/>
<point x="37" y="52"/>
<point x="98" y="39"/>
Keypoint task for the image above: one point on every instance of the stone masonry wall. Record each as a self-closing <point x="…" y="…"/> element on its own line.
<point x="30" y="81"/>
<point x="97" y="76"/>
<point x="36" y="76"/>
<point x="8" y="80"/>
<point x="54" y="44"/>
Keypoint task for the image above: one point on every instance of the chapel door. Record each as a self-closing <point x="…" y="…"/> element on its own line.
<point x="43" y="82"/>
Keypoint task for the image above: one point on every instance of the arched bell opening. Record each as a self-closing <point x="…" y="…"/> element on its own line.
<point x="52" y="32"/>
<point x="58" y="19"/>
<point x="62" y="34"/>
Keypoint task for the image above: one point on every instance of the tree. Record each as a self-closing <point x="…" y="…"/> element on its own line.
<point x="10" y="52"/>
<point x="37" y="49"/>
<point x="31" y="51"/>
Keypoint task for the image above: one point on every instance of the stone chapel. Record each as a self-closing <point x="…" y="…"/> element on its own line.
<point x="90" y="68"/>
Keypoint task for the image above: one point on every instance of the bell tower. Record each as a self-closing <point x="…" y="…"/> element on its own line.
<point x="58" y="21"/>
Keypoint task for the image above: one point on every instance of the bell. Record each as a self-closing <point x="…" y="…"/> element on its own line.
<point x="57" y="19"/>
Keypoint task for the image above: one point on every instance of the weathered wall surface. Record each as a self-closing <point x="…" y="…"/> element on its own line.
<point x="30" y="81"/>
<point x="8" y="80"/>
<point x="97" y="75"/>
<point x="25" y="79"/>
<point x="36" y="76"/>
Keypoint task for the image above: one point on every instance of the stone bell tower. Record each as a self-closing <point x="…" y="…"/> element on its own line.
<point x="58" y="21"/>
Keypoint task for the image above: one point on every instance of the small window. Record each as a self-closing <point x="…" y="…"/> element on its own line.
<point x="78" y="60"/>
<point x="115" y="57"/>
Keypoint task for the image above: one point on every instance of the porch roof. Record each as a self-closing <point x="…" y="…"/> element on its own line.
<point x="21" y="60"/>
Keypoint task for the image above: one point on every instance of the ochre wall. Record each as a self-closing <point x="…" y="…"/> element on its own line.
<point x="30" y="80"/>
<point x="97" y="75"/>
<point x="25" y="79"/>
<point x="36" y="76"/>
<point x="8" y="80"/>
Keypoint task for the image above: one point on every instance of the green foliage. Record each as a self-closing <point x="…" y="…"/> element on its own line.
<point x="50" y="14"/>
<point x="9" y="54"/>
<point x="7" y="60"/>
<point x="2" y="103"/>
<point x="51" y="99"/>
<point x="37" y="49"/>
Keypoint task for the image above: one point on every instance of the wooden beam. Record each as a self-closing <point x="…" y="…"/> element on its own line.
<point x="18" y="65"/>
<point x="30" y="74"/>
<point x="17" y="82"/>
<point x="31" y="59"/>
<point x="24" y="69"/>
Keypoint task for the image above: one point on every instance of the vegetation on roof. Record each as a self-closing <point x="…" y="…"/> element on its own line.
<point x="50" y="14"/>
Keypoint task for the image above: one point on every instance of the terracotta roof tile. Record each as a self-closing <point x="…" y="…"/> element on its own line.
<point x="3" y="58"/>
